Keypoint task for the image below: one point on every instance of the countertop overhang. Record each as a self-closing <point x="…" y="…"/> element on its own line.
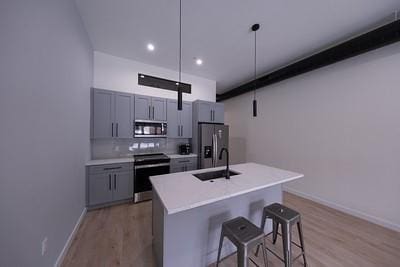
<point x="183" y="191"/>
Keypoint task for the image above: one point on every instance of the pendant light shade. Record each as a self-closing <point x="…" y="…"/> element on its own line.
<point x="255" y="28"/>
<point x="180" y="57"/>
<point x="179" y="97"/>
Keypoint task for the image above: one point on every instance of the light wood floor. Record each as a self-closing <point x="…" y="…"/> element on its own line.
<point x="121" y="236"/>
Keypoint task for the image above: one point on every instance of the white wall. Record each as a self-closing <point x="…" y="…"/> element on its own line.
<point x="46" y="71"/>
<point x="339" y="125"/>
<point x="120" y="74"/>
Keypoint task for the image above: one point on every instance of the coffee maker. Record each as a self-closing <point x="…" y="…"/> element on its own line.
<point x="185" y="149"/>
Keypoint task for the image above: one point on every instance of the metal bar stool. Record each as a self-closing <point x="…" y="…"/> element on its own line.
<point x="286" y="217"/>
<point x="245" y="236"/>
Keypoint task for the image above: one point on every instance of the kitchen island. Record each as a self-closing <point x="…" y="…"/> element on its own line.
<point x="188" y="213"/>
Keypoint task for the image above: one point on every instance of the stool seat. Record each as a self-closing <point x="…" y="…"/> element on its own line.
<point x="245" y="236"/>
<point x="282" y="213"/>
<point x="242" y="231"/>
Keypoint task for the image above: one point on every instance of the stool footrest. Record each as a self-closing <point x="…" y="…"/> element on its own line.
<point x="281" y="235"/>
<point x="276" y="255"/>
<point x="254" y="262"/>
<point x="279" y="257"/>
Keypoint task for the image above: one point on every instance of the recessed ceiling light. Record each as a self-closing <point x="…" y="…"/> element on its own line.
<point x="150" y="47"/>
<point x="199" y="61"/>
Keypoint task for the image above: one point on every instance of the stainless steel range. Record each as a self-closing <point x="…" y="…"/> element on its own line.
<point x="147" y="165"/>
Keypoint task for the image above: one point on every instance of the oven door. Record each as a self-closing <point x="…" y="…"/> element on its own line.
<point x="142" y="185"/>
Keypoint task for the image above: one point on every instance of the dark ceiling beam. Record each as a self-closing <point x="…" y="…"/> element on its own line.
<point x="374" y="39"/>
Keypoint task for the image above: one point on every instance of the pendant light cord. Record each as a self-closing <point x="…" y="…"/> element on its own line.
<point x="255" y="63"/>
<point x="180" y="42"/>
<point x="180" y="58"/>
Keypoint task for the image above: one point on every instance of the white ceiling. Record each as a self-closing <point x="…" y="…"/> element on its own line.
<point x="218" y="31"/>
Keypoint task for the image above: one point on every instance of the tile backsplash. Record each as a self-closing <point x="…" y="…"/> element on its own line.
<point x="110" y="148"/>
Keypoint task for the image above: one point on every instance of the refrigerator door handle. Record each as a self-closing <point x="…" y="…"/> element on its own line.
<point x="212" y="147"/>
<point x="215" y="149"/>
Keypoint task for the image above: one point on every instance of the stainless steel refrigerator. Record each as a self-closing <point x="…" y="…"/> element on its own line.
<point x="212" y="138"/>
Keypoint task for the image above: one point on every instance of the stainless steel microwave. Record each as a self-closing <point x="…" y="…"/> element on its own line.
<point x="144" y="128"/>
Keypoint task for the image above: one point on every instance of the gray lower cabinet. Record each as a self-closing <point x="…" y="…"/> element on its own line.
<point x="183" y="164"/>
<point x="209" y="112"/>
<point x="150" y="108"/>
<point x="109" y="183"/>
<point x="179" y="122"/>
<point x="99" y="188"/>
<point x="123" y="186"/>
<point x="112" y="114"/>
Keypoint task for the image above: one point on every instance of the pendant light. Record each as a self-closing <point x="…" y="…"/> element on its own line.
<point x="255" y="28"/>
<point x="180" y="57"/>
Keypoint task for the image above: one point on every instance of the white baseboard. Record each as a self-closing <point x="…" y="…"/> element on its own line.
<point x="356" y="213"/>
<point x="69" y="240"/>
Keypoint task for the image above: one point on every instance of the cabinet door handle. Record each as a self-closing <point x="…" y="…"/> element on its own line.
<point x="116" y="129"/>
<point x="211" y="114"/>
<point x="112" y="129"/>
<point x="115" y="182"/>
<point x="181" y="130"/>
<point x="109" y="182"/>
<point x="149" y="112"/>
<point x="153" y="112"/>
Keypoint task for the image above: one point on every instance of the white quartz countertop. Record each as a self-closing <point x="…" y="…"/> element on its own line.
<point x="182" y="191"/>
<point x="178" y="156"/>
<point x="108" y="161"/>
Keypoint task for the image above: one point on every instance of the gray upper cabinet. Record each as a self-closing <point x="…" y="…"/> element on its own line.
<point x="143" y="109"/>
<point x="205" y="112"/>
<point x="179" y="122"/>
<point x="210" y="112"/>
<point x="124" y="115"/>
<point x="218" y="109"/>
<point x="186" y="120"/>
<point x="102" y="113"/>
<point x="112" y="114"/>
<point x="159" y="108"/>
<point x="173" y="125"/>
<point x="150" y="108"/>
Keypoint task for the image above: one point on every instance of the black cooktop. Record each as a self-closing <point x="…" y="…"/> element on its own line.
<point x="150" y="158"/>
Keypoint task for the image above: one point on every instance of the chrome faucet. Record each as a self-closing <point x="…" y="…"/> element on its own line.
<point x="227" y="161"/>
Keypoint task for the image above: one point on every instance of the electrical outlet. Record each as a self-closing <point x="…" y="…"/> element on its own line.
<point x="44" y="245"/>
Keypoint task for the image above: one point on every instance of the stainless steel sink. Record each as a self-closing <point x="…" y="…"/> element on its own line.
<point x="206" y="176"/>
